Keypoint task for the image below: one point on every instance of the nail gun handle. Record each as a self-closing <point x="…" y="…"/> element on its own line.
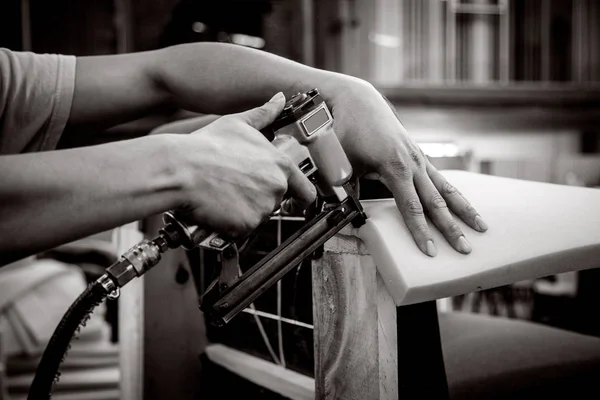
<point x="329" y="157"/>
<point x="300" y="155"/>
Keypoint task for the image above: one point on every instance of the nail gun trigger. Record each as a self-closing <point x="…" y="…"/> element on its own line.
<point x="229" y="272"/>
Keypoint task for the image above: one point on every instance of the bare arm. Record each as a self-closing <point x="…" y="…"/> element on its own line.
<point x="209" y="78"/>
<point x="216" y="78"/>
<point x="50" y="198"/>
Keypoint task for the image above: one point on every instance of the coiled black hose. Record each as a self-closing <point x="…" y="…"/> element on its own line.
<point x="60" y="342"/>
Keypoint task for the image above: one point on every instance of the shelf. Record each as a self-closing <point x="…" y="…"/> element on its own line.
<point x="495" y="94"/>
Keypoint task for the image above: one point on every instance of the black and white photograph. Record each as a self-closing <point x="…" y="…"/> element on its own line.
<point x="299" y="199"/>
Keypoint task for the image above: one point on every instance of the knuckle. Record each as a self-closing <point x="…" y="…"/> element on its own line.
<point x="227" y="120"/>
<point x="470" y="210"/>
<point x="437" y="202"/>
<point x="398" y="169"/>
<point x="416" y="157"/>
<point x="449" y="189"/>
<point x="261" y="113"/>
<point x="452" y="229"/>
<point x="421" y="231"/>
<point x="280" y="185"/>
<point x="413" y="207"/>
<point x="285" y="161"/>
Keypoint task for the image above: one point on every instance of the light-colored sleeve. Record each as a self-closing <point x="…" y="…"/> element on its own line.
<point x="36" y="93"/>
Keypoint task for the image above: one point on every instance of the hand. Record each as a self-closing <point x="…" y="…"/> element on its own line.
<point x="379" y="147"/>
<point x="237" y="177"/>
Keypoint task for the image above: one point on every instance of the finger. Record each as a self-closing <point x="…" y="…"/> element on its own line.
<point x="262" y="116"/>
<point x="300" y="187"/>
<point x="456" y="201"/>
<point x="290" y="207"/>
<point x="439" y="213"/>
<point x="410" y="207"/>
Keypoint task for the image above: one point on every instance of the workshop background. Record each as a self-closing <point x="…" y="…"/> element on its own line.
<point x="501" y="87"/>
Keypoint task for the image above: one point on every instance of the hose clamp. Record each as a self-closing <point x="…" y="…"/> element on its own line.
<point x="109" y="286"/>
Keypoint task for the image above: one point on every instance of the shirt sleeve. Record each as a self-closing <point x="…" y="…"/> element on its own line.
<point x="36" y="93"/>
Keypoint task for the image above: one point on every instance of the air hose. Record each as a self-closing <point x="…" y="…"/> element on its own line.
<point x="47" y="370"/>
<point x="133" y="263"/>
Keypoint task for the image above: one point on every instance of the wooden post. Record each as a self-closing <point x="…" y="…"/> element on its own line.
<point x="355" y="325"/>
<point x="174" y="333"/>
<point x="131" y="321"/>
<point x="365" y="346"/>
<point x="3" y="377"/>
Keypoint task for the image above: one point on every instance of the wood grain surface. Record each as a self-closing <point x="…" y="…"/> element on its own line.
<point x="354" y="337"/>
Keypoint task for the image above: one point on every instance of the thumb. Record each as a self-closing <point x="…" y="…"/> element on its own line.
<point x="261" y="117"/>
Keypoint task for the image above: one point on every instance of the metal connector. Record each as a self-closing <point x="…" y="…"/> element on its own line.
<point x="134" y="262"/>
<point x="144" y="255"/>
<point x="121" y="272"/>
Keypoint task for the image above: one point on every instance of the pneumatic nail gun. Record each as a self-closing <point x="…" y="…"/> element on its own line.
<point x="304" y="131"/>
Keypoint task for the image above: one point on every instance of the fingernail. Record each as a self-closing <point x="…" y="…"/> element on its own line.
<point x="482" y="225"/>
<point x="431" y="250"/>
<point x="276" y="98"/>
<point x="463" y="245"/>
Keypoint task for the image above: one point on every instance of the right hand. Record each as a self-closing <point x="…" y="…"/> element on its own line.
<point x="237" y="177"/>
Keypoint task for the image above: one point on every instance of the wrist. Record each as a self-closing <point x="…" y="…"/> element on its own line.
<point x="335" y="87"/>
<point x="157" y="70"/>
<point x="338" y="83"/>
<point x="171" y="175"/>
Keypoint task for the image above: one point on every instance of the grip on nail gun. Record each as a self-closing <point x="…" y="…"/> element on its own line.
<point x="307" y="121"/>
<point x="192" y="236"/>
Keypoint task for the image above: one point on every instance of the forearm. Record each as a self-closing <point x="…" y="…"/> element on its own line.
<point x="220" y="79"/>
<point x="210" y="78"/>
<point x="51" y="198"/>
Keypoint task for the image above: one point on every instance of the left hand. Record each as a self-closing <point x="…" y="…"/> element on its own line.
<point x="379" y="147"/>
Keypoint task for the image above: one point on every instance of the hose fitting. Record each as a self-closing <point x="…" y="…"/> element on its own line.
<point x="135" y="262"/>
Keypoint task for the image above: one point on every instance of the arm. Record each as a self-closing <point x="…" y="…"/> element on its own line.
<point x="50" y="198"/>
<point x="210" y="78"/>
<point x="218" y="79"/>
